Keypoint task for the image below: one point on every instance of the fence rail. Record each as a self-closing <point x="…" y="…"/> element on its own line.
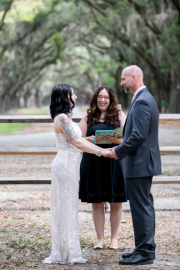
<point x="47" y="180"/>
<point x="169" y="150"/>
<point x="47" y="119"/>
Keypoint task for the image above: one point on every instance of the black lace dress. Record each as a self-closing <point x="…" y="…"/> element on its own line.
<point x="101" y="178"/>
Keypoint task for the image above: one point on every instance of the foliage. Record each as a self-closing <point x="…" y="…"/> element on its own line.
<point x="87" y="43"/>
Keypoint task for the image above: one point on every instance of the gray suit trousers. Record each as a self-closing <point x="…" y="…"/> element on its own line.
<point x="143" y="215"/>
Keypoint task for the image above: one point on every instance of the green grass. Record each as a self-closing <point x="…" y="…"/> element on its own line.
<point x="19" y="262"/>
<point x="85" y="243"/>
<point x="8" y="256"/>
<point x="83" y="109"/>
<point x="14" y="244"/>
<point x="122" y="249"/>
<point x="8" y="236"/>
<point x="6" y="264"/>
<point x="11" y="128"/>
<point x="32" y="111"/>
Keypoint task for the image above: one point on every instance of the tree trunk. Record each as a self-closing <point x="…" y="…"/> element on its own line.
<point x="6" y="104"/>
<point x="14" y="101"/>
<point x="122" y="97"/>
<point x="177" y="97"/>
<point x="160" y="92"/>
<point x="177" y="102"/>
<point x="38" y="98"/>
<point x="1" y="103"/>
<point x="169" y="93"/>
<point x="117" y="83"/>
<point x="26" y="97"/>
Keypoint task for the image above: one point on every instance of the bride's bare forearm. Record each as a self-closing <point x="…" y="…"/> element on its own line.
<point x="74" y="138"/>
<point x="86" y="146"/>
<point x="87" y="138"/>
<point x="97" y="147"/>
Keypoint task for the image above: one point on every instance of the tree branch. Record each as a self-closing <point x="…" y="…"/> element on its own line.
<point x="177" y="5"/>
<point x="5" y="12"/>
<point x="153" y="27"/>
<point x="92" y="5"/>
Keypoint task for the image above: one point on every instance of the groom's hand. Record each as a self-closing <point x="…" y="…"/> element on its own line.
<point x="113" y="153"/>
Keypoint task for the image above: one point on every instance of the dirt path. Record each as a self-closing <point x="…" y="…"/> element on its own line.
<point x="25" y="231"/>
<point x="25" y="220"/>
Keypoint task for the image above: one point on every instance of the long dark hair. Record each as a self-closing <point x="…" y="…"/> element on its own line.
<point x="112" y="113"/>
<point x="60" y="100"/>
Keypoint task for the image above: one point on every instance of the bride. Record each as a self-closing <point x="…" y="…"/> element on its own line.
<point x="65" y="178"/>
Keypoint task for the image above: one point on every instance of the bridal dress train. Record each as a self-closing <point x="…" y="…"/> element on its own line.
<point x="64" y="208"/>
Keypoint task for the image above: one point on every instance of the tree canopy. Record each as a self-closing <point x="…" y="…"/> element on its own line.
<point x="87" y="43"/>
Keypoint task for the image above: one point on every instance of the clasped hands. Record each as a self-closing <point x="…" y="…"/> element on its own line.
<point x="109" y="152"/>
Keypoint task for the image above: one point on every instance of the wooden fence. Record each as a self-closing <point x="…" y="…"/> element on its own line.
<point x="51" y="151"/>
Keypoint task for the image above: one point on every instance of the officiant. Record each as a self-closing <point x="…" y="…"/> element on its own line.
<point x="101" y="179"/>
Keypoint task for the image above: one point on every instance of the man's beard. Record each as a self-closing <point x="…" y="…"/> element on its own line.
<point x="127" y="90"/>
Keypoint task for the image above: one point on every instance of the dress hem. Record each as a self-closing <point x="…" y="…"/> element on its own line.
<point x="99" y="200"/>
<point x="49" y="261"/>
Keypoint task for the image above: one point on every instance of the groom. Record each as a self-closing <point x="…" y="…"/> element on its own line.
<point x="141" y="160"/>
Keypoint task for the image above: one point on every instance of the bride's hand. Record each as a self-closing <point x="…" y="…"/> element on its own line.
<point x="106" y="152"/>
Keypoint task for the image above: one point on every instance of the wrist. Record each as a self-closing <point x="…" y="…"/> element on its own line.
<point x="98" y="154"/>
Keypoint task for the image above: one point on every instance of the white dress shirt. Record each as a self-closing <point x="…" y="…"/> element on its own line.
<point x="138" y="90"/>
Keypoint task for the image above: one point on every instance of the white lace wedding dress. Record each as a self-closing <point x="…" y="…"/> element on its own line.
<point x="65" y="202"/>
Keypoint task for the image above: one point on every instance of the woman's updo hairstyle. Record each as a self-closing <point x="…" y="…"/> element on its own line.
<point x="60" y="100"/>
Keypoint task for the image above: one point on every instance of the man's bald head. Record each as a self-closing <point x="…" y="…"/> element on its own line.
<point x="132" y="78"/>
<point x="134" y="70"/>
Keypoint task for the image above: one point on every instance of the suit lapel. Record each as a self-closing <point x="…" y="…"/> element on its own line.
<point x="140" y="92"/>
<point x="127" y="117"/>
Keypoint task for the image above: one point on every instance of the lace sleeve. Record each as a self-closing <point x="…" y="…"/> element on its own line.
<point x="67" y="128"/>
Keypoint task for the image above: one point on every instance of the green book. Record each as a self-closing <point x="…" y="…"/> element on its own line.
<point x="101" y="133"/>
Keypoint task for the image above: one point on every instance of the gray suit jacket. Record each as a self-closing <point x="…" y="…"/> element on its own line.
<point x="140" y="147"/>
